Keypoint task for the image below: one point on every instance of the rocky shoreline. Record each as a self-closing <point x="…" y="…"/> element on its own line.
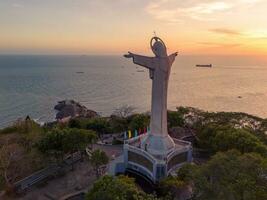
<point x="68" y="109"/>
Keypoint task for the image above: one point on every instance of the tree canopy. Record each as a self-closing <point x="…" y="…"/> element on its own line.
<point x="175" y="119"/>
<point x="58" y="142"/>
<point x="139" y="121"/>
<point x="117" y="188"/>
<point x="229" y="176"/>
<point x="222" y="138"/>
<point x="97" y="159"/>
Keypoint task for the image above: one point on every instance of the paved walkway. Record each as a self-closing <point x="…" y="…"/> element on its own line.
<point x="82" y="178"/>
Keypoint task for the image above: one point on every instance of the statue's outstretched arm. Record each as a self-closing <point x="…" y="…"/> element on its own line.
<point x="172" y="57"/>
<point x="141" y="60"/>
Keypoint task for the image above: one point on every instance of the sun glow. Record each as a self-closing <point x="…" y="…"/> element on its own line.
<point x="110" y="27"/>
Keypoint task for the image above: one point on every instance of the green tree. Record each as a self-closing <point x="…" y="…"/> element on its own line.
<point x="139" y="121"/>
<point x="75" y="123"/>
<point x="98" y="158"/>
<point x="222" y="138"/>
<point x="76" y="140"/>
<point x="10" y="155"/>
<point x="99" y="125"/>
<point x="52" y="143"/>
<point x="117" y="188"/>
<point x="58" y="142"/>
<point x="175" y="119"/>
<point x="230" y="176"/>
<point x="171" y="187"/>
<point x="118" y="124"/>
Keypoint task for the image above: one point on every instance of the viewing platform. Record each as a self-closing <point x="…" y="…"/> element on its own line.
<point x="138" y="160"/>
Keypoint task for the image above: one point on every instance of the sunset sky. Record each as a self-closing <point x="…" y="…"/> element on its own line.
<point x="115" y="26"/>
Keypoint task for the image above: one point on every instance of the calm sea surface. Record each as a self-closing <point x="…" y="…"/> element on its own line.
<point x="32" y="85"/>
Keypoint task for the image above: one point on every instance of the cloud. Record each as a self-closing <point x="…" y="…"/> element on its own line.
<point x="207" y="10"/>
<point x="17" y="5"/>
<point x="225" y="31"/>
<point x="256" y="34"/>
<point x="219" y="45"/>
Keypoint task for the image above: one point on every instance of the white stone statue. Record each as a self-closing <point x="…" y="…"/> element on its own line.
<point x="157" y="141"/>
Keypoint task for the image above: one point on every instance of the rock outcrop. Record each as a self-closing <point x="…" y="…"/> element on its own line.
<point x="68" y="109"/>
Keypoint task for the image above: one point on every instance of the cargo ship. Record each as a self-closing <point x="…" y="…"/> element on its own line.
<point x="210" y="65"/>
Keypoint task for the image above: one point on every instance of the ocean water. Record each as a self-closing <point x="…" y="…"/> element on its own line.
<point x="32" y="85"/>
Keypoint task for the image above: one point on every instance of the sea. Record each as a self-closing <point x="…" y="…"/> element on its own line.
<point x="33" y="84"/>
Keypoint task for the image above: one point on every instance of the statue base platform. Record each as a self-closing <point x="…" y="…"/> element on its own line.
<point x="147" y="164"/>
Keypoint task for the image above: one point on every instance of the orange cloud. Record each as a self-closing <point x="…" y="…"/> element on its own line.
<point x="225" y="31"/>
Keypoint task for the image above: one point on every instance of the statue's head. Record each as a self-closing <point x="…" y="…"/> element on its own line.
<point x="158" y="47"/>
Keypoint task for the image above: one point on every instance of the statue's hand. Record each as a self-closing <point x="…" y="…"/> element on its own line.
<point x="129" y="55"/>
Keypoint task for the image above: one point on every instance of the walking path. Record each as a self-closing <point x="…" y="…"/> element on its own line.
<point x="80" y="179"/>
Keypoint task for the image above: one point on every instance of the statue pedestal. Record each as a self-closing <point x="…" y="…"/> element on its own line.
<point x="150" y="163"/>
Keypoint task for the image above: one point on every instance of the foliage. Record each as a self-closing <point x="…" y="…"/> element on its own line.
<point x="183" y="110"/>
<point x="22" y="126"/>
<point x="77" y="139"/>
<point x="222" y="138"/>
<point x="18" y="157"/>
<point x="171" y="187"/>
<point x="99" y="125"/>
<point x="196" y="118"/>
<point x="118" y="124"/>
<point x="52" y="143"/>
<point x="230" y="176"/>
<point x="175" y="119"/>
<point x="10" y="129"/>
<point x="75" y="123"/>
<point x="58" y="142"/>
<point x="98" y="158"/>
<point x="185" y="172"/>
<point x="117" y="188"/>
<point x="138" y="121"/>
<point x="9" y="155"/>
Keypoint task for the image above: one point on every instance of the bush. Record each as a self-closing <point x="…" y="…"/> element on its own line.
<point x="117" y="188"/>
<point x="118" y="124"/>
<point x="230" y="175"/>
<point x="171" y="186"/>
<point x="10" y="129"/>
<point x="222" y="138"/>
<point x="99" y="125"/>
<point x="175" y="119"/>
<point x="75" y="123"/>
<point x="138" y="121"/>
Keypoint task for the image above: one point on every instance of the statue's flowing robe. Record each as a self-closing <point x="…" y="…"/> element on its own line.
<point x="159" y="71"/>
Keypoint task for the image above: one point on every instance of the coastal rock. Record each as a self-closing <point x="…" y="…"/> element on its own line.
<point x="68" y="109"/>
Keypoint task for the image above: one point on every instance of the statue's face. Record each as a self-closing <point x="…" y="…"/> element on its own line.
<point x="159" y="49"/>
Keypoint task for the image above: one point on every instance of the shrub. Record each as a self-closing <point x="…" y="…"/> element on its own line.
<point x="222" y="138"/>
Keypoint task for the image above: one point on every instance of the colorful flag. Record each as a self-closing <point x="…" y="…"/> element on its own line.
<point x="130" y="134"/>
<point x="140" y="131"/>
<point x="135" y="133"/>
<point x="145" y="130"/>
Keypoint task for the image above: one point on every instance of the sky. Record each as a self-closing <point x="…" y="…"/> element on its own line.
<point x="227" y="27"/>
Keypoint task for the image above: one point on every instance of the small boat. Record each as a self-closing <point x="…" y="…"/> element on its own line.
<point x="79" y="72"/>
<point x="210" y="65"/>
<point x="140" y="70"/>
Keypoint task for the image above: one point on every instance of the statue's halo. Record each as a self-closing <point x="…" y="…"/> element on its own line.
<point x="153" y="41"/>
